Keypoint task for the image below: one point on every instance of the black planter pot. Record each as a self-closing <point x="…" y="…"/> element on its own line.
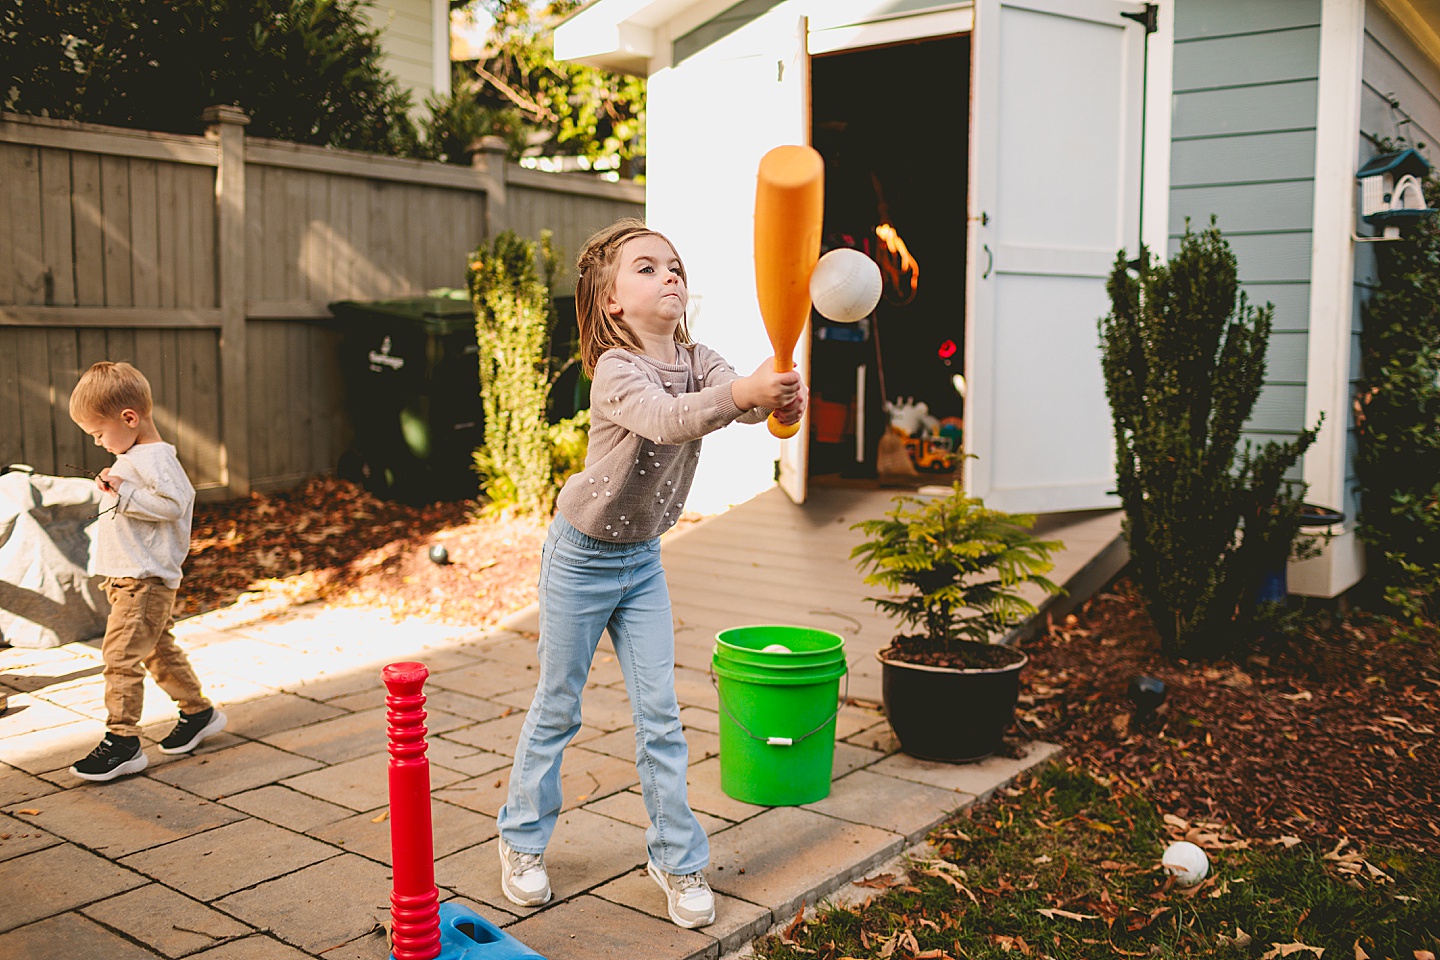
<point x="954" y="716"/>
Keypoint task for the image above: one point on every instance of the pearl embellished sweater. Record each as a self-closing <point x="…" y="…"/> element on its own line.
<point x="647" y="419"/>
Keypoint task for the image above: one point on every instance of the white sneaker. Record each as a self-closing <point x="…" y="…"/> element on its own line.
<point x="688" y="897"/>
<point x="523" y="878"/>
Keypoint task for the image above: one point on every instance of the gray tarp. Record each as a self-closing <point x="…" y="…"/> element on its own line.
<point x="46" y="530"/>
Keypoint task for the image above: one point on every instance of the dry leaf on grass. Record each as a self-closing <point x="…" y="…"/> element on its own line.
<point x="1066" y="914"/>
<point x="1288" y="949"/>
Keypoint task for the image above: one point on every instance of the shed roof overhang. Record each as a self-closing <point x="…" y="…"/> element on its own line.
<point x="616" y="35"/>
<point x="1420" y="19"/>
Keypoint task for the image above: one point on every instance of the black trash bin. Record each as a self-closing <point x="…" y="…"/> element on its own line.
<point x="412" y="383"/>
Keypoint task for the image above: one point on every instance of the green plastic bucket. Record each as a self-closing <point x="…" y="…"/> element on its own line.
<point x="777" y="712"/>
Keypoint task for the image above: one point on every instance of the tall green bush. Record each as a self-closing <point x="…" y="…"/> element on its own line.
<point x="514" y="319"/>
<point x="1398" y="416"/>
<point x="1184" y="362"/>
<point x="304" y="70"/>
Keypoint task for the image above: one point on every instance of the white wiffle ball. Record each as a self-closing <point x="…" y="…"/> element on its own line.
<point x="1186" y="862"/>
<point x="845" y="285"/>
<point x="777" y="648"/>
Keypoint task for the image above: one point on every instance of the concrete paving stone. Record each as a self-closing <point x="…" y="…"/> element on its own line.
<point x="275" y="713"/>
<point x="493" y="736"/>
<point x="694" y="688"/>
<point x="67" y="937"/>
<point x="585" y="851"/>
<point x="320" y="907"/>
<point x="487" y="678"/>
<point x="31" y="669"/>
<point x="590" y="928"/>
<point x="257" y="947"/>
<point x="698" y="718"/>
<point x="849" y="757"/>
<point x="584" y="775"/>
<point x="18" y="838"/>
<point x="694" y="655"/>
<point x="193" y="634"/>
<point x="980" y="779"/>
<point x="704" y="792"/>
<point x="166" y="921"/>
<point x="853" y="719"/>
<point x="125" y="815"/>
<point x="231" y="770"/>
<point x="501" y="644"/>
<point x="287" y="808"/>
<point x="501" y="734"/>
<point x="17" y="786"/>
<point x="463" y="758"/>
<point x="34" y="711"/>
<point x="452" y="828"/>
<point x="790" y="855"/>
<point x="878" y="737"/>
<point x="229" y="858"/>
<point x="350" y="735"/>
<point x="736" y="921"/>
<point x="51" y="881"/>
<point x="605" y="668"/>
<point x="900" y="806"/>
<point x="463" y="705"/>
<point x="333" y="684"/>
<point x="621" y="744"/>
<point x="372" y="946"/>
<point x="628" y="806"/>
<point x="602" y="709"/>
<point x="360" y="784"/>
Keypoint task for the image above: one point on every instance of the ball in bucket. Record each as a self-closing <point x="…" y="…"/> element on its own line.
<point x="1186" y="862"/>
<point x="845" y="285"/>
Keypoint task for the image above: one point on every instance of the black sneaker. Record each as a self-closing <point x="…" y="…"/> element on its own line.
<point x="114" y="757"/>
<point x="192" y="728"/>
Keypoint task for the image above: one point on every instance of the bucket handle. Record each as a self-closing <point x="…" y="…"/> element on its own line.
<point x="777" y="741"/>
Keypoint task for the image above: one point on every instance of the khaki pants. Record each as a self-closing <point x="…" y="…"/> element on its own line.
<point x="138" y="638"/>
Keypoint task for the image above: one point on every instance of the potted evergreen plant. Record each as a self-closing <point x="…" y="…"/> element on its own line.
<point x="954" y="569"/>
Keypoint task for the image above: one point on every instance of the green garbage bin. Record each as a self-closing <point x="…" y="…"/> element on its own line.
<point x="412" y="383"/>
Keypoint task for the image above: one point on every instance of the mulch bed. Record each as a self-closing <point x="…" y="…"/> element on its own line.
<point x="330" y="540"/>
<point x="1324" y="735"/>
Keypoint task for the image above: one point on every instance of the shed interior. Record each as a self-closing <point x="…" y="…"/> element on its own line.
<point x="893" y="125"/>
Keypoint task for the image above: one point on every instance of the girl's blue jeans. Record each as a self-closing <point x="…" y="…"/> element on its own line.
<point x="586" y="587"/>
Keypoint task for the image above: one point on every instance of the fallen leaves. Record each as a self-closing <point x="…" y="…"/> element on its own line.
<point x="1290" y="949"/>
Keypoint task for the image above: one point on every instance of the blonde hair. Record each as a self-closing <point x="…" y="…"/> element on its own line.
<point x="599" y="261"/>
<point x="107" y="389"/>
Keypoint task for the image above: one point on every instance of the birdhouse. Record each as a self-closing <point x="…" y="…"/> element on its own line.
<point x="1390" y="190"/>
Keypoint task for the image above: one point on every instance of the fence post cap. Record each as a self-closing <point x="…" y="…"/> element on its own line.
<point x="225" y="113"/>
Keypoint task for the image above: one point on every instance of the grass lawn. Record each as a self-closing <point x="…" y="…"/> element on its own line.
<point x="1065" y="865"/>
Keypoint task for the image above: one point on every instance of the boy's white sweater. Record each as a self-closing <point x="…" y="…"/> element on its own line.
<point x="148" y="532"/>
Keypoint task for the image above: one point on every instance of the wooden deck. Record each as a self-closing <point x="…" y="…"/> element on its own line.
<point x="771" y="561"/>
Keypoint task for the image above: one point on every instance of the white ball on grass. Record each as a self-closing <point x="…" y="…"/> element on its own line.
<point x="1186" y="862"/>
<point x="845" y="285"/>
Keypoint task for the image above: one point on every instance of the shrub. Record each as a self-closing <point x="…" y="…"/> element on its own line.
<point x="524" y="458"/>
<point x="1398" y="416"/>
<point x="304" y="70"/>
<point x="1184" y="362"/>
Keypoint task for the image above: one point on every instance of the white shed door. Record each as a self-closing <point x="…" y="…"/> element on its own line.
<point x="1055" y="152"/>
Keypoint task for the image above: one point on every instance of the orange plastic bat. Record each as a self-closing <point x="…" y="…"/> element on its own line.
<point x="789" y="211"/>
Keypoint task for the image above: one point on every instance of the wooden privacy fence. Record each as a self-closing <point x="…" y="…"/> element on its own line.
<point x="205" y="261"/>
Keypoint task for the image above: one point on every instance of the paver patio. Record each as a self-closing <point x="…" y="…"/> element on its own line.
<point x="271" y="842"/>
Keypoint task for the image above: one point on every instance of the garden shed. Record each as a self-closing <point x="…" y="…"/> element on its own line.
<point x="1014" y="147"/>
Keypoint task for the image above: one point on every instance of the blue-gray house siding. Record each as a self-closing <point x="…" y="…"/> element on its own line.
<point x="1243" y="149"/>
<point x="1399" y="98"/>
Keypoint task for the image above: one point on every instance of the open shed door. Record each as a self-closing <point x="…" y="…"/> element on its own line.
<point x="1055" y="187"/>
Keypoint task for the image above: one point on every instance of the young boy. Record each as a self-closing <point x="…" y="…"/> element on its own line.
<point x="143" y="538"/>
